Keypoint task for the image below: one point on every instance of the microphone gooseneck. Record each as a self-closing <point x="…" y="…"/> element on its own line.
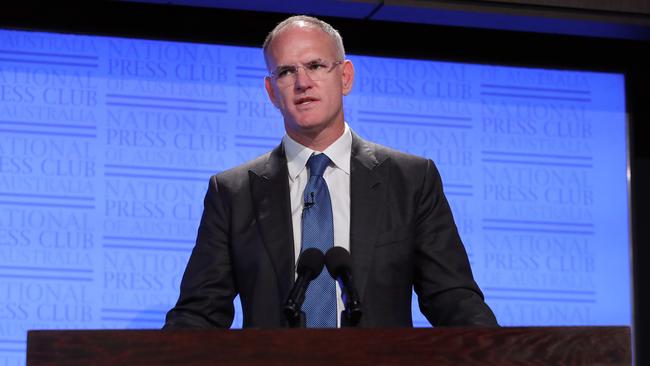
<point x="339" y="266"/>
<point x="310" y="265"/>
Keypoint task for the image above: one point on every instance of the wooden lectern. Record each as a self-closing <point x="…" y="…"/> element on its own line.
<point x="337" y="347"/>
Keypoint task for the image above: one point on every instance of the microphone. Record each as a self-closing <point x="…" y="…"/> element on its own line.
<point x="310" y="265"/>
<point x="339" y="264"/>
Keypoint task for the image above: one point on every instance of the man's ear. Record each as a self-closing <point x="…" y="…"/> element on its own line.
<point x="270" y="91"/>
<point x="347" y="76"/>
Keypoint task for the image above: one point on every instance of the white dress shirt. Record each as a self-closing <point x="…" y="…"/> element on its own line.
<point x="337" y="177"/>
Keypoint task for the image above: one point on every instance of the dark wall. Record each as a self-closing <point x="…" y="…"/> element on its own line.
<point x="398" y="40"/>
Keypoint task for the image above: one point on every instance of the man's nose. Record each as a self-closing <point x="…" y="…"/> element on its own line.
<point x="303" y="80"/>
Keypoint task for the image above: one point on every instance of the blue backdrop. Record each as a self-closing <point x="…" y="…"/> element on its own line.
<point x="107" y="144"/>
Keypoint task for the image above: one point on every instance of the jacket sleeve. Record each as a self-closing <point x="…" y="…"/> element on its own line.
<point x="208" y="287"/>
<point x="447" y="292"/>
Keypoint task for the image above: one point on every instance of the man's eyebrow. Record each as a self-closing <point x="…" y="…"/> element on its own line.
<point x="315" y="60"/>
<point x="283" y="67"/>
<point x="290" y="66"/>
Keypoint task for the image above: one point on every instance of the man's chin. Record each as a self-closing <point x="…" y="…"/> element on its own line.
<point x="308" y="124"/>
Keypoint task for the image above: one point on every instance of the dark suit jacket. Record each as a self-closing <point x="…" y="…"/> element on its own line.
<point x="402" y="236"/>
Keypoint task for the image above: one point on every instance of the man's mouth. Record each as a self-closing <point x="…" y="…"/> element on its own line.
<point x="305" y="101"/>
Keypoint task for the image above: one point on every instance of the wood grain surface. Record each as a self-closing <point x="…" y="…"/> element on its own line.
<point x="441" y="346"/>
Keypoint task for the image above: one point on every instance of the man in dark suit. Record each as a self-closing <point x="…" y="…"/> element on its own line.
<point x="388" y="209"/>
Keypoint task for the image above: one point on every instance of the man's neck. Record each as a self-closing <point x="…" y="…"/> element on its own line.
<point x="321" y="140"/>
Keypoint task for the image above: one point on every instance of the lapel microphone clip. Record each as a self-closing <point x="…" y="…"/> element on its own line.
<point x="310" y="203"/>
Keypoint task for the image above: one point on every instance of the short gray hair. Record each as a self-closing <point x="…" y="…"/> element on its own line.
<point x="314" y="22"/>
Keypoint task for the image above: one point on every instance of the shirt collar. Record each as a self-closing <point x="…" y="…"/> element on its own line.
<point x="339" y="153"/>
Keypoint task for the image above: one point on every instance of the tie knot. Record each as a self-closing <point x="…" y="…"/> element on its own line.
<point x="317" y="164"/>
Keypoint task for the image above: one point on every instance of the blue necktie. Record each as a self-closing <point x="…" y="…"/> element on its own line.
<point x="318" y="232"/>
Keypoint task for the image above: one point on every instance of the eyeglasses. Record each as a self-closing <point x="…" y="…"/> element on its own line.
<point x="316" y="70"/>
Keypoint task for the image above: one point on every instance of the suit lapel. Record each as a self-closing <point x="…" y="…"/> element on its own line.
<point x="368" y="176"/>
<point x="270" y="192"/>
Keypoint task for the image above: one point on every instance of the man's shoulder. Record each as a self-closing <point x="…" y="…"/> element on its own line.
<point x="255" y="165"/>
<point x="383" y="153"/>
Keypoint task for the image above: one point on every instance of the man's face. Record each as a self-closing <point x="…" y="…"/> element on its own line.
<point x="311" y="108"/>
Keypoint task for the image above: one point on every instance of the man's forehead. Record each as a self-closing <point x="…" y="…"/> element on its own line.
<point x="285" y="38"/>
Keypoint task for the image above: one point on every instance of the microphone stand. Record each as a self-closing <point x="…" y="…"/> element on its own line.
<point x="297" y="321"/>
<point x="294" y="314"/>
<point x="351" y="315"/>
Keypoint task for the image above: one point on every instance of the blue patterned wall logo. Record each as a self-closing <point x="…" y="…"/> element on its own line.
<point x="107" y="144"/>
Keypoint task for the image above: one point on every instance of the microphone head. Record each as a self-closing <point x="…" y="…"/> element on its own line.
<point x="337" y="260"/>
<point x="310" y="263"/>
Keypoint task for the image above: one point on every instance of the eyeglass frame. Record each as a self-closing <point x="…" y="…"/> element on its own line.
<point x="274" y="74"/>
